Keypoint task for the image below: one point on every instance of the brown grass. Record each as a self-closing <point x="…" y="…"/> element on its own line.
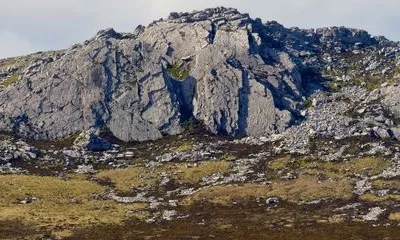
<point x="226" y="194"/>
<point x="369" y="197"/>
<point x="394" y="216"/>
<point x="60" y="204"/>
<point x="279" y="163"/>
<point x="127" y="179"/>
<point x="305" y="188"/>
<point x="386" y="184"/>
<point x="364" y="166"/>
<point x="186" y="173"/>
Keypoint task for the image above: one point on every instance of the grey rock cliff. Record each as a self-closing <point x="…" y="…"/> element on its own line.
<point x="236" y="75"/>
<point x="235" y="83"/>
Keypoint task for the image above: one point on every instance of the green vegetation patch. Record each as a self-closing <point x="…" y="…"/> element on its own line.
<point x="11" y="80"/>
<point x="8" y="63"/>
<point x="178" y="72"/>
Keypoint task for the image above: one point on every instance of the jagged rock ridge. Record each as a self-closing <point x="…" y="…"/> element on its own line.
<point x="235" y="74"/>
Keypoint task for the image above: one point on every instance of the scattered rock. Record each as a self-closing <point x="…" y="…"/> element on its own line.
<point x="272" y="201"/>
<point x="373" y="214"/>
<point x="169" y="215"/>
<point x="85" y="169"/>
<point x="28" y="200"/>
<point x="90" y="141"/>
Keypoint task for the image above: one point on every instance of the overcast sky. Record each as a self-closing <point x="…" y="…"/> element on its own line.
<point x="34" y="25"/>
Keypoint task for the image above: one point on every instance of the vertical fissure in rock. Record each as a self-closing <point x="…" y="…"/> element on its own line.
<point x="243" y="111"/>
<point x="223" y="121"/>
<point x="213" y="32"/>
<point x="118" y="67"/>
<point x="101" y="119"/>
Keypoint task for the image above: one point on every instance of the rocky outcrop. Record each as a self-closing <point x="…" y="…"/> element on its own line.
<point x="235" y="84"/>
<point x="236" y="75"/>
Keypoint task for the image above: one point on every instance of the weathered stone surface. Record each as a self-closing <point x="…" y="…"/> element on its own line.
<point x="236" y="75"/>
<point x="391" y="98"/>
<point x="124" y="82"/>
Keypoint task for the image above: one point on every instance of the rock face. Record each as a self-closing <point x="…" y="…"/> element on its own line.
<point x="236" y="75"/>
<point x="235" y="82"/>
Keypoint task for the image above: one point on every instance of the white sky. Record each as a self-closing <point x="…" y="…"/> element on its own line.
<point x="35" y="25"/>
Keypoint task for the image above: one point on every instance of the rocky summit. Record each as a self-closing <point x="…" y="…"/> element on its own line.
<point x="234" y="74"/>
<point x="217" y="66"/>
<point x="203" y="125"/>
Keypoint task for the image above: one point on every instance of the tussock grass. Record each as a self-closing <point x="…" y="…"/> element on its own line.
<point x="303" y="189"/>
<point x="368" y="166"/>
<point x="194" y="174"/>
<point x="386" y="184"/>
<point x="394" y="216"/>
<point x="226" y="194"/>
<point x="370" y="197"/>
<point x="59" y="203"/>
<point x="308" y="188"/>
<point x="127" y="179"/>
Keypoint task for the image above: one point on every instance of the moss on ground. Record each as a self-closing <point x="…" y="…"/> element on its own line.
<point x="279" y="163"/>
<point x="8" y="63"/>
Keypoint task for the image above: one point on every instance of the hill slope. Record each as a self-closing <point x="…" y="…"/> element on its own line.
<point x="234" y="74"/>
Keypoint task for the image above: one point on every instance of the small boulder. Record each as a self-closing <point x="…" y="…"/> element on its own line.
<point x="85" y="169"/>
<point x="272" y="201"/>
<point x="108" y="33"/>
<point x="395" y="133"/>
<point x="91" y="141"/>
<point x="381" y="133"/>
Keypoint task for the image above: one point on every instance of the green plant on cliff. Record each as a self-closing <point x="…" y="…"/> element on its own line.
<point x="178" y="72"/>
